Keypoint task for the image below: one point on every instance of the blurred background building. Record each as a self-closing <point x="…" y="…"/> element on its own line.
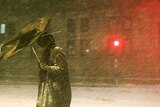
<point x="87" y="32"/>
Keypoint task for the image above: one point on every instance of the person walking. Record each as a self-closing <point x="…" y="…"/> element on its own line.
<point x="54" y="88"/>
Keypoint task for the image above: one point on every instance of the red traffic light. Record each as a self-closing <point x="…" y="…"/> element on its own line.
<point x="116" y="43"/>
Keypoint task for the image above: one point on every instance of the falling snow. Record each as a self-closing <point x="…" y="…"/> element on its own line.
<point x="100" y="67"/>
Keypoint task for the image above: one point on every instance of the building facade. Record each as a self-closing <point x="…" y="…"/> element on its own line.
<point x="85" y="29"/>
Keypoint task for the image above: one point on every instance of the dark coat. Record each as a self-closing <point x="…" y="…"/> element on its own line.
<point x="54" y="86"/>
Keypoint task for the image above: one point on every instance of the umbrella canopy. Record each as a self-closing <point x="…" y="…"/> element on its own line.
<point x="24" y="38"/>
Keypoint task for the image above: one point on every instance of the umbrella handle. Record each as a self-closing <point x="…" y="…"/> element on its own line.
<point x="35" y="54"/>
<point x="1" y="45"/>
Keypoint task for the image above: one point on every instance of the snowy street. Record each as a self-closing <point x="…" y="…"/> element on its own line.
<point x="122" y="96"/>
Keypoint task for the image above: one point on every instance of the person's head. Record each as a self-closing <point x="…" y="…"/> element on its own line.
<point x="45" y="40"/>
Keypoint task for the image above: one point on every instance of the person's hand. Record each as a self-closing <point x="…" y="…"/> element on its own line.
<point x="42" y="65"/>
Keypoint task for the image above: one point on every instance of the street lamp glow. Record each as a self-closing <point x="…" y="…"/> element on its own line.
<point x="87" y="50"/>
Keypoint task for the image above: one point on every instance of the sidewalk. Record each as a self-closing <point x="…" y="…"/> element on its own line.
<point x="122" y="96"/>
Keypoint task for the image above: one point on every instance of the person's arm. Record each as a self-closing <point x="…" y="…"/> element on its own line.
<point x="60" y="62"/>
<point x="46" y="67"/>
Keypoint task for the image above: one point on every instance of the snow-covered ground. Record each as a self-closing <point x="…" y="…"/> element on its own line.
<point x="122" y="96"/>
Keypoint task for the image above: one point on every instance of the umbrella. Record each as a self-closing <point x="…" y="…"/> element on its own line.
<point x="24" y="38"/>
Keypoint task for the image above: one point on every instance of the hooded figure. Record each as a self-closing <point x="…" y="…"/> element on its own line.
<point x="54" y="87"/>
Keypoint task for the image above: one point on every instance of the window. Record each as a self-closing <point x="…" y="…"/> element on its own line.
<point x="71" y="47"/>
<point x="84" y="24"/>
<point x="2" y="28"/>
<point x="127" y="23"/>
<point x="71" y="25"/>
<point x="112" y="21"/>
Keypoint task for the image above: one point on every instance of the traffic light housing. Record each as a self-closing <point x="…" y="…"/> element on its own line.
<point x="115" y="44"/>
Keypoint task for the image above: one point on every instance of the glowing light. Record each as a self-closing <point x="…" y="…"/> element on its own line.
<point x="2" y="28"/>
<point x="87" y="50"/>
<point x="116" y="43"/>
